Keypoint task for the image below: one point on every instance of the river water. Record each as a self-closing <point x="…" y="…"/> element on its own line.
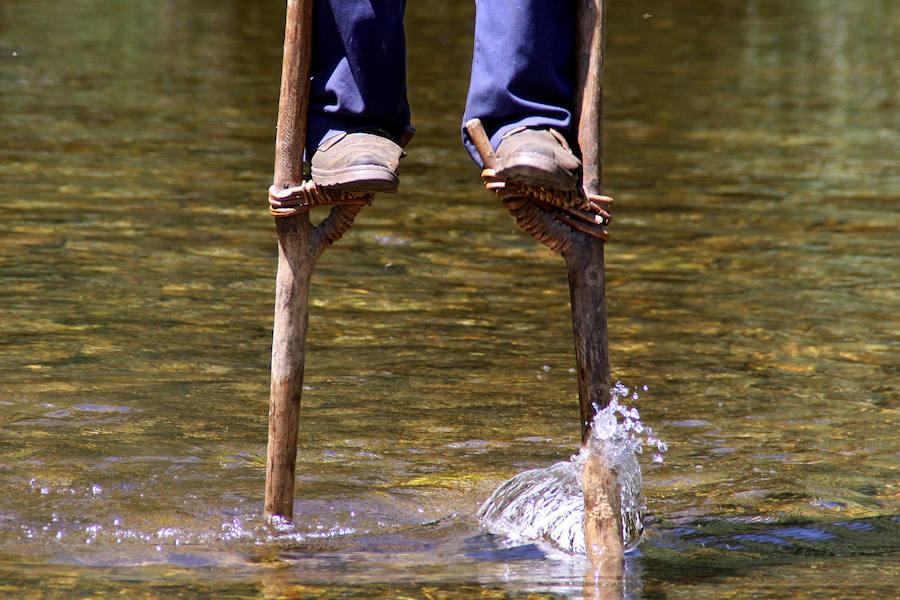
<point x="753" y="148"/>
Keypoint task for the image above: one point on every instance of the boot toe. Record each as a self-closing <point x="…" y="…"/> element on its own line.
<point x="537" y="157"/>
<point x="358" y="162"/>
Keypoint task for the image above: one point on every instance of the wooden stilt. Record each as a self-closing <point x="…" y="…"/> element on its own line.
<point x="585" y="259"/>
<point x="296" y="259"/>
<point x="584" y="263"/>
<point x="300" y="244"/>
<point x="580" y="241"/>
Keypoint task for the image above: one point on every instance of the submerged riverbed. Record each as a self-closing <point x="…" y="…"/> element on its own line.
<point x="752" y="147"/>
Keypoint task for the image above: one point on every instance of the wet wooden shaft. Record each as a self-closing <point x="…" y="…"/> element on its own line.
<point x="585" y="260"/>
<point x="602" y="508"/>
<point x="295" y="264"/>
<point x="587" y="285"/>
<point x="587" y="288"/>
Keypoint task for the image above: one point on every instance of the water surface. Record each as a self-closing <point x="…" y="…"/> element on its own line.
<point x="752" y="147"/>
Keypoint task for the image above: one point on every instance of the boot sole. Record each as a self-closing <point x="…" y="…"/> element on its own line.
<point x="357" y="179"/>
<point x="538" y="170"/>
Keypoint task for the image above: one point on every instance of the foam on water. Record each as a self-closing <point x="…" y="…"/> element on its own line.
<point x="546" y="506"/>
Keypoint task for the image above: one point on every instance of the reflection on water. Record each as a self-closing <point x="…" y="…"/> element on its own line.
<point x="751" y="147"/>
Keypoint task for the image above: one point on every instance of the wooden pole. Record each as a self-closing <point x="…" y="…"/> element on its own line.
<point x="297" y="254"/>
<point x="587" y="287"/>
<point x="583" y="254"/>
<point x="584" y="260"/>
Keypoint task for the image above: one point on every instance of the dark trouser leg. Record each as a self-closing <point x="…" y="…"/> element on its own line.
<point x="359" y="69"/>
<point x="523" y="68"/>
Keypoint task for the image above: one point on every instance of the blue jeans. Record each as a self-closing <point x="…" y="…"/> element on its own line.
<point x="523" y="68"/>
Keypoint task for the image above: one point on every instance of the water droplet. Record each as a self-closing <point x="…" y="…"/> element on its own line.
<point x="548" y="503"/>
<point x="604" y="425"/>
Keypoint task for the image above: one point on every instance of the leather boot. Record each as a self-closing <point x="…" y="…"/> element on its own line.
<point x="537" y="157"/>
<point x="357" y="162"/>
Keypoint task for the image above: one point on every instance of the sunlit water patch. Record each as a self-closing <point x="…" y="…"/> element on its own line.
<point x="91" y="525"/>
<point x="547" y="505"/>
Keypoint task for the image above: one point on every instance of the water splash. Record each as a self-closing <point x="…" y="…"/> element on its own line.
<point x="546" y="505"/>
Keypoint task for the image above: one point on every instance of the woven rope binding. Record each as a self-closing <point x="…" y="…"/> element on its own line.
<point x="588" y="213"/>
<point x="304" y="197"/>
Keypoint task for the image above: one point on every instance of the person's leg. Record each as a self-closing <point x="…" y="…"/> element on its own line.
<point x="358" y="84"/>
<point x="358" y="69"/>
<point x="523" y="69"/>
